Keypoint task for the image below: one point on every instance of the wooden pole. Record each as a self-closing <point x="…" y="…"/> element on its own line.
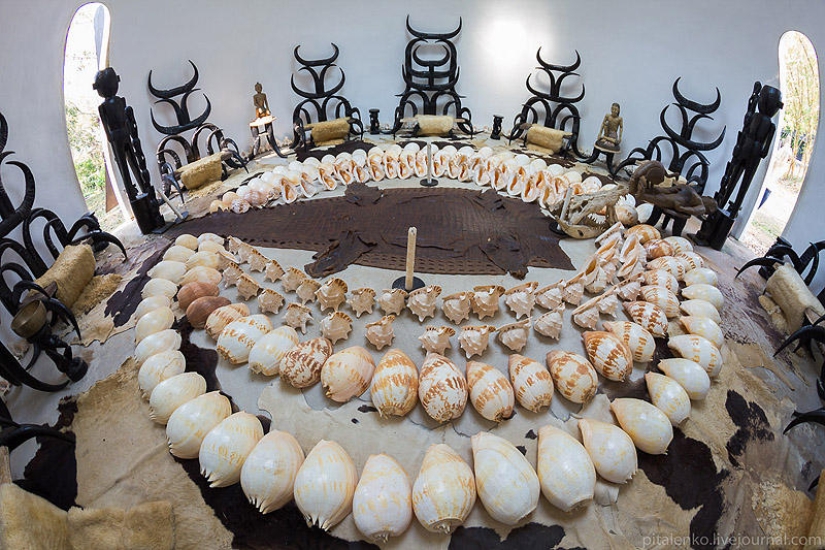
<point x="411" y="236"/>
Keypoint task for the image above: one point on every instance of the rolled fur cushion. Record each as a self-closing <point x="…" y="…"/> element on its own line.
<point x="546" y="139"/>
<point x="199" y="173"/>
<point x="434" y="125"/>
<point x="71" y="271"/>
<point x="330" y="132"/>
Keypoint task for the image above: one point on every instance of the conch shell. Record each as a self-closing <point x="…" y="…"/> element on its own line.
<point x="325" y="484"/>
<point x="422" y="302"/>
<point x="485" y="300"/>
<point x="380" y="333"/>
<point x="222" y="316"/>
<point x="608" y="354"/>
<point x="297" y="316"/>
<point x="456" y="307"/>
<point x="575" y="378"/>
<point x="247" y="287"/>
<point x="301" y="366"/>
<point x="382" y="503"/>
<point x="514" y="336"/>
<point x="226" y="446"/>
<point x="532" y="383"/>
<point x="649" y="316"/>
<point x="332" y="294"/>
<point x="637" y="339"/>
<point x="292" y="278"/>
<point x="336" y="326"/>
<point x="648" y="427"/>
<point x="273" y="271"/>
<point x="521" y="299"/>
<point x="392" y="301"/>
<point x="361" y="301"/>
<point x="550" y="323"/>
<point x="306" y="290"/>
<point x="436" y="339"/>
<point x="565" y="470"/>
<point x="474" y="338"/>
<point x="550" y="296"/>
<point x="270" y="301"/>
<point x="611" y="450"/>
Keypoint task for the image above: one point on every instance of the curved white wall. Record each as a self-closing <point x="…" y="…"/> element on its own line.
<point x="631" y="53"/>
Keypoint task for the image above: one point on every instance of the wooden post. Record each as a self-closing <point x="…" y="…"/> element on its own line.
<point x="411" y="236"/>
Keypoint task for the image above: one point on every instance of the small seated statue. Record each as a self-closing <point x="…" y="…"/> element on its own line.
<point x="610" y="133"/>
<point x="651" y="183"/>
<point x="260" y="101"/>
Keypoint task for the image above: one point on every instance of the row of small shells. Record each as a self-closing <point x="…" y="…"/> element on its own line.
<point x="517" y="175"/>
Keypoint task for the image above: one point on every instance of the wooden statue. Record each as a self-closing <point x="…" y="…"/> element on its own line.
<point x="260" y="101"/>
<point x="610" y="133"/>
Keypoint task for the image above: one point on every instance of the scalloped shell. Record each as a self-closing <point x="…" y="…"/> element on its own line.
<point x="474" y="339"/>
<point x="485" y="300"/>
<point x="150" y="304"/>
<point x="301" y="366"/>
<point x="532" y="382"/>
<point x="273" y="271"/>
<point x="336" y="326"/>
<point x="222" y="316"/>
<point x="173" y="392"/>
<point x="629" y="290"/>
<point x="332" y="294"/>
<point x="574" y="377"/>
<point x="608" y="303"/>
<point x="550" y="323"/>
<point x="306" y="290"/>
<point x="708" y="293"/>
<point x="490" y="391"/>
<point x="456" y="306"/>
<point x="637" y="339"/>
<point x="679" y="244"/>
<point x="649" y="316"/>
<point x="550" y="296"/>
<point x="178" y="253"/>
<point x="156" y="320"/>
<point x="292" y="278"/>
<point x="648" y="427"/>
<point x="231" y="273"/>
<point x="270" y="301"/>
<point x="663" y="298"/>
<point x="190" y="423"/>
<point x="444" y="491"/>
<point x="701" y="275"/>
<point x="239" y="337"/>
<point x="269" y="350"/>
<point x="159" y="287"/>
<point x="422" y="302"/>
<point x="297" y="316"/>
<point x="698" y="349"/>
<point x="347" y="374"/>
<point x="630" y="268"/>
<point x="644" y="232"/>
<point x="595" y="277"/>
<point x="243" y="251"/>
<point x="234" y="244"/>
<point x="436" y="339"/>
<point x="668" y="396"/>
<point x="325" y="484"/>
<point x="159" y="367"/>
<point x="392" y="301"/>
<point x="380" y="333"/>
<point x="442" y="388"/>
<point x="701" y="308"/>
<point x="269" y="471"/>
<point x="361" y="301"/>
<point x="202" y="274"/>
<point x="608" y="354"/>
<point x="514" y="336"/>
<point x="188" y="241"/>
<point x="521" y="299"/>
<point x="226" y="446"/>
<point x="704" y="327"/>
<point x="394" y="386"/>
<point x="611" y="449"/>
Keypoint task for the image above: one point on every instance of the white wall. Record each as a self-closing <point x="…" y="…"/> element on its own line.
<point x="631" y="53"/>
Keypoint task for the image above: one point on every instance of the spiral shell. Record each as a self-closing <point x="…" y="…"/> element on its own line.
<point x="190" y="423"/>
<point x="628" y="290"/>
<point x="575" y="378"/>
<point x="550" y="323"/>
<point x="610" y="448"/>
<point x="269" y="350"/>
<point x="347" y="374"/>
<point x="663" y="298"/>
<point x="532" y="382"/>
<point x="550" y="296"/>
<point x="156" y="320"/>
<point x="297" y="316"/>
<point x="587" y="314"/>
<point x="521" y="299"/>
<point x="507" y="485"/>
<point x="292" y="278"/>
<point x="701" y="308"/>
<point x="648" y="427"/>
<point x="708" y="293"/>
<point x="635" y="337"/>
<point x="226" y="446"/>
<point x="694" y="260"/>
<point x="668" y="396"/>
<point x="444" y="491"/>
<point x="436" y="339"/>
<point x="159" y="367"/>
<point x="269" y="471"/>
<point x="257" y="261"/>
<point x="222" y="316"/>
<point x="301" y="366"/>
<point x="361" y="301"/>
<point x="608" y="354"/>
<point x="270" y="301"/>
<point x="422" y="302"/>
<point x="701" y="275"/>
<point x="159" y="287"/>
<point x="485" y="300"/>
<point x="688" y="374"/>
<point x="306" y="290"/>
<point x="698" y="349"/>
<point x="173" y="392"/>
<point x="191" y="292"/>
<point x="572" y="292"/>
<point x="456" y="307"/>
<point x="168" y="269"/>
<point x="565" y="470"/>
<point x="380" y="333"/>
<point x="239" y="337"/>
<point x="163" y="340"/>
<point x="332" y="294"/>
<point x="336" y="326"/>
<point x="394" y="386"/>
<point x="202" y="274"/>
<point x="325" y="485"/>
<point x="442" y="388"/>
<point x="474" y="339"/>
<point x="648" y="316"/>
<point x="382" y="503"/>
<point x="514" y="336"/>
<point x="392" y="301"/>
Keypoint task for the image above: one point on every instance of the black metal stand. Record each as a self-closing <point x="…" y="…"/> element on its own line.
<point x="496" y="133"/>
<point x="432" y="182"/>
<point x="401" y="283"/>
<point x="608" y="159"/>
<point x="375" y="126"/>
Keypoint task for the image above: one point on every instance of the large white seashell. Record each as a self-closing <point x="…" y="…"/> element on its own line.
<point x="701" y="276"/>
<point x="159" y="287"/>
<point x="658" y="248"/>
<point x="150" y="304"/>
<point x="532" y="383"/>
<point x="269" y="350"/>
<point x="226" y="446"/>
<point x="521" y="299"/>
<point x="210" y="237"/>
<point x="306" y="290"/>
<point x="394" y="386"/>
<point x="572" y="292"/>
<point x="550" y="323"/>
<point x="347" y="374"/>
<point x="485" y="300"/>
<point x="159" y="367"/>
<point x="648" y="427"/>
<point x="169" y="270"/>
<point x="608" y="354"/>
<point x="188" y="241"/>
<point x="698" y="349"/>
<point x="694" y="260"/>
<point x="190" y="423"/>
<point x="301" y="366"/>
<point x="380" y="333"/>
<point x="325" y="484"/>
<point x="507" y="485"/>
<point x="648" y="316"/>
<point x="208" y="259"/>
<point x="708" y="293"/>
<point x="638" y="340"/>
<point x="679" y="244"/>
<point x="270" y="301"/>
<point x="268" y="473"/>
<point x="444" y="491"/>
<point x="336" y="326"/>
<point x="668" y="396"/>
<point x="392" y="301"/>
<point x="689" y="374"/>
<point x="456" y="307"/>
<point x="382" y="503"/>
<point x="361" y="301"/>
<point x="663" y="298"/>
<point x="332" y="294"/>
<point x="156" y="320"/>
<point x="222" y="316"/>
<point x="704" y="327"/>
<point x="490" y="392"/>
<point x="514" y="335"/>
<point x="155" y="343"/>
<point x="239" y="337"/>
<point x="422" y="302"/>
<point x="442" y="388"/>
<point x="701" y="308"/>
<point x="177" y="253"/>
<point x="436" y="339"/>
<point x="173" y="392"/>
<point x="297" y="316"/>
<point x="203" y="274"/>
<point x="212" y="246"/>
<point x="611" y="450"/>
<point x="474" y="339"/>
<point x="565" y="470"/>
<point x="575" y="378"/>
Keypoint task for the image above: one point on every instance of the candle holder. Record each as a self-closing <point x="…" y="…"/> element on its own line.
<point x="496" y="133"/>
<point x="375" y="126"/>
